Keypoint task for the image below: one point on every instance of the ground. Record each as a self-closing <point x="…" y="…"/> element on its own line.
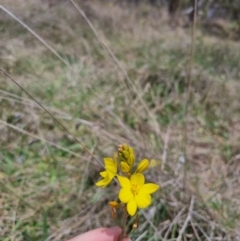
<point x="124" y="79"/>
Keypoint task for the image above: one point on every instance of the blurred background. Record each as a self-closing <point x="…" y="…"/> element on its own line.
<point x="119" y="72"/>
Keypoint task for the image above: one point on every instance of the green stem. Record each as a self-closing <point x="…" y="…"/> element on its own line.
<point x="124" y="221"/>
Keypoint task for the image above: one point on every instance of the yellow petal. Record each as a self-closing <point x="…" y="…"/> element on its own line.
<point x="103" y="174"/>
<point x="110" y="174"/>
<point x="132" y="207"/>
<point x="125" y="195"/>
<point x="124" y="182"/>
<point x="110" y="165"/>
<point x="124" y="167"/>
<point x="108" y="161"/>
<point x="143" y="200"/>
<point x="149" y="188"/>
<point x="103" y="183"/>
<point x="115" y="157"/>
<point x="137" y="179"/>
<point x="142" y="166"/>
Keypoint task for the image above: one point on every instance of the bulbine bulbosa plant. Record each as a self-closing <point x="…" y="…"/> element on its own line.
<point x="134" y="193"/>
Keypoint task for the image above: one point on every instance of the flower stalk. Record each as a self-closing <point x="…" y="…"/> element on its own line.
<point x="134" y="193"/>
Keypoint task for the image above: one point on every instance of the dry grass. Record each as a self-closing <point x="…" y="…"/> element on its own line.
<point x="47" y="179"/>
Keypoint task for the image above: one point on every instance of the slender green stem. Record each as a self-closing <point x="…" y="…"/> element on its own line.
<point x="124" y="224"/>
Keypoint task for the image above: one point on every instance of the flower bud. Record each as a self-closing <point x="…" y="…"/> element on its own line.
<point x="131" y="157"/>
<point x="124" y="167"/>
<point x="142" y="166"/>
<point x="120" y="147"/>
<point x="122" y="151"/>
<point x="126" y="154"/>
<point x="135" y="224"/>
<point x="114" y="204"/>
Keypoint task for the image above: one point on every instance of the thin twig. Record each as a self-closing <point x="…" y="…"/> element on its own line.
<point x="120" y="122"/>
<point x="151" y="224"/>
<point x="188" y="219"/>
<point x="189" y="81"/>
<point x="16" y="210"/>
<point x="203" y="232"/>
<point x="39" y="138"/>
<point x="165" y="148"/>
<point x="195" y="231"/>
<point x="54" y="118"/>
<point x="35" y="35"/>
<point x="26" y="101"/>
<point x="201" y="217"/>
<point x="173" y="222"/>
<point x="114" y="58"/>
<point x="140" y="237"/>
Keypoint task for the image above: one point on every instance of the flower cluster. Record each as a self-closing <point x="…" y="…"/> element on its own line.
<point x="134" y="192"/>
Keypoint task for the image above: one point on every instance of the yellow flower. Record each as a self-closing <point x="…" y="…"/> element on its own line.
<point x="111" y="170"/>
<point x="142" y="166"/>
<point x="135" y="193"/>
